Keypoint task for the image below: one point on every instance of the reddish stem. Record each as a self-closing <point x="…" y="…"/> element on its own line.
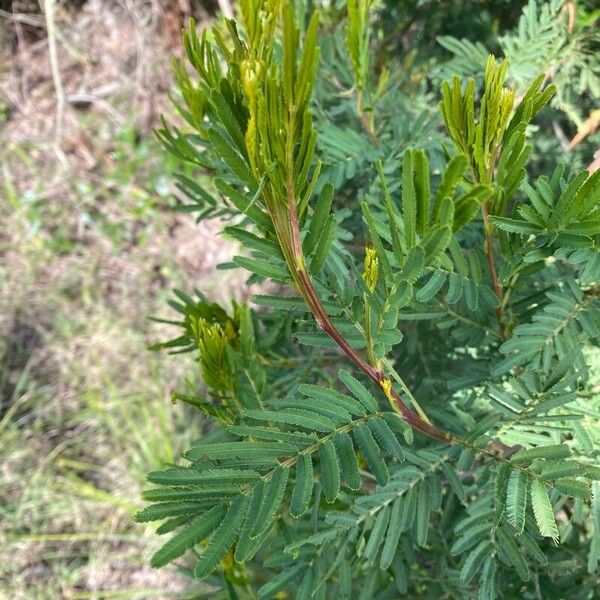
<point x="313" y="302"/>
<point x="489" y="253"/>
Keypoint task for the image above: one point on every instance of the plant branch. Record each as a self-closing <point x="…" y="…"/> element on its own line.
<point x="489" y="253"/>
<point x="307" y="290"/>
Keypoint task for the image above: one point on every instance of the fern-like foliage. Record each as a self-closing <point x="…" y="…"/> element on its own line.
<point x="413" y="407"/>
<point x="548" y="39"/>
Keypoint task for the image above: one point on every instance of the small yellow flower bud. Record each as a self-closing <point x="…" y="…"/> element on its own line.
<point x="386" y="386"/>
<point x="371" y="269"/>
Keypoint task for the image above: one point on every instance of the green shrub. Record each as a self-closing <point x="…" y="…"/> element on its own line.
<point x="413" y="409"/>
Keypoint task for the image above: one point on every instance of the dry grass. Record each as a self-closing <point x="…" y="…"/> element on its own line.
<point x="89" y="248"/>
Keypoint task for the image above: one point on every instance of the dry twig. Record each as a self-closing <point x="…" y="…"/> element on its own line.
<point x="49" y="8"/>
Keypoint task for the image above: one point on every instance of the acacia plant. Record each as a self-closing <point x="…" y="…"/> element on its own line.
<point x="413" y="408"/>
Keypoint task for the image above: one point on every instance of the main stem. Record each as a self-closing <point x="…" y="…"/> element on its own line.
<point x="306" y="288"/>
<point x="489" y="253"/>
<point x="366" y="120"/>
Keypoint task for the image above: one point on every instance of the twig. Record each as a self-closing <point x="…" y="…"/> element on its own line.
<point x="561" y="136"/>
<point x="23" y="52"/>
<point x="588" y="127"/>
<point x="595" y="164"/>
<point x="78" y="99"/>
<point x="49" y="8"/>
<point x="26" y="19"/>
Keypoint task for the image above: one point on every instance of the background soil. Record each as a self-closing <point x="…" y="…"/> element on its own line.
<point x="89" y="249"/>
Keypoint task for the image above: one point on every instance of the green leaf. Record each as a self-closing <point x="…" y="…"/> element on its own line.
<point x="409" y="509"/>
<point x="414" y="265"/>
<point x="542" y="510"/>
<point x="231" y="158"/>
<point x="223" y="538"/>
<point x="585" y="199"/>
<point x="319" y="219"/>
<point x="531" y="547"/>
<point x="395" y="233"/>
<point x="244" y="205"/>
<point x="246" y="332"/>
<point x="333" y="397"/>
<point x="247" y="545"/>
<point x="298" y="417"/>
<point x="281" y="581"/>
<point x="409" y="200"/>
<point x="422" y="189"/>
<point x="310" y="59"/>
<point x="488" y="582"/>
<point x="204" y="406"/>
<point x="263" y="268"/>
<point x="322" y="407"/>
<point x="157" y="512"/>
<point x="324" y="246"/>
<point x="515" y="556"/>
<point x="516" y="499"/>
<point x="550" y="452"/>
<point x="212" y="478"/>
<point x="472" y="535"/>
<point x="202" y="496"/>
<point x="423" y="512"/>
<point x="254" y="242"/>
<point x="515" y="226"/>
<point x="305" y="589"/>
<point x="594" y="553"/>
<point x="198" y="529"/>
<point x="172" y="524"/>
<point x="446" y="214"/>
<point x="560" y="214"/>
<point x="560" y="468"/>
<point x="475" y="560"/>
<point x="292" y="303"/>
<point x="574" y="488"/>
<point x="385" y="437"/>
<point x="432" y="287"/>
<point x="320" y="339"/>
<point x="329" y="469"/>
<point x="347" y="460"/>
<point x="435" y="244"/>
<point x="393" y="533"/>
<point x="225" y="450"/>
<point x="455" y="288"/>
<point x="377" y="533"/>
<point x="303" y="487"/>
<point x="271" y="500"/>
<point x="359" y="390"/>
<point x="370" y="450"/>
<point x="452" y="175"/>
<point x="295" y="438"/>
<point x="397" y="424"/>
<point x="454" y="481"/>
<point x="467" y="205"/>
<point x="229" y="121"/>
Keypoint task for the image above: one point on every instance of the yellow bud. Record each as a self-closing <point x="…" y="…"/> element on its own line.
<point x="386" y="386"/>
<point x="212" y="342"/>
<point x="371" y="268"/>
